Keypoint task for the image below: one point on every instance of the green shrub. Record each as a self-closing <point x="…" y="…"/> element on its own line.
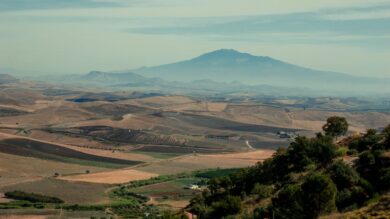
<point x="288" y="203"/>
<point x="319" y="195"/>
<point x="32" y="197"/>
<point x="342" y="151"/>
<point x="216" y="173"/>
<point x="384" y="180"/>
<point x="263" y="191"/>
<point x="229" y="205"/>
<point x="343" y="175"/>
<point x="352" y="152"/>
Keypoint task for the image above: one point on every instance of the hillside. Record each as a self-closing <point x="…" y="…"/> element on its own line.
<point x="313" y="177"/>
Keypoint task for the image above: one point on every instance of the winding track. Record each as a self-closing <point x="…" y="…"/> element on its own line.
<point x="249" y="145"/>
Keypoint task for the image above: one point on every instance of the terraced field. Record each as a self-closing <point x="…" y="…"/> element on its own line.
<point x="117" y="135"/>
<point x="223" y="124"/>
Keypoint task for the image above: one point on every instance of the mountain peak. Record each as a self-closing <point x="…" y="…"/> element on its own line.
<point x="231" y="57"/>
<point x="225" y="53"/>
<point x="96" y="73"/>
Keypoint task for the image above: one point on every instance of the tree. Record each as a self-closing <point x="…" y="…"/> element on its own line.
<point x="384" y="180"/>
<point x="288" y="203"/>
<point x="319" y="195"/>
<point x="369" y="140"/>
<point x="371" y="165"/>
<point x="335" y="126"/>
<point x="198" y="205"/>
<point x="298" y="153"/>
<point x="343" y="175"/>
<point x="322" y="150"/>
<point x="386" y="135"/>
<point x="229" y="205"/>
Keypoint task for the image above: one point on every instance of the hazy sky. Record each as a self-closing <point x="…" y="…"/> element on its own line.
<point x="77" y="36"/>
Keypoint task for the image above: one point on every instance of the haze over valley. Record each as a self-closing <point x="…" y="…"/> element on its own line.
<point x="194" y="109"/>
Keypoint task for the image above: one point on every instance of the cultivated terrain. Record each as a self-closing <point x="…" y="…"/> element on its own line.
<point x="130" y="144"/>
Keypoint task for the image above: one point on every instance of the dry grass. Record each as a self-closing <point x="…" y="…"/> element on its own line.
<point x="174" y="165"/>
<point x="70" y="192"/>
<point x="52" y="115"/>
<point x="112" y="177"/>
<point x="176" y="204"/>
<point x="196" y="162"/>
<point x="17" y="169"/>
<point x="112" y="154"/>
<point x="379" y="210"/>
<point x="161" y="101"/>
<point x="65" y="140"/>
<point x="3" y="199"/>
<point x="216" y="107"/>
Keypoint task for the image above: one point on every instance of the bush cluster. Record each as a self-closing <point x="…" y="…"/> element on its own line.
<point x="32" y="197"/>
<point x="306" y="180"/>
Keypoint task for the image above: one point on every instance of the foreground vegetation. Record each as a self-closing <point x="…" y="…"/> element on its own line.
<point x="126" y="200"/>
<point x="308" y="179"/>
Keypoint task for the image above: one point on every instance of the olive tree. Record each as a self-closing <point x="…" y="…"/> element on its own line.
<point x="335" y="126"/>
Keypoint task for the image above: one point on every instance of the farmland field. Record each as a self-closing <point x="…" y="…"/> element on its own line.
<point x="174" y="149"/>
<point x="81" y="145"/>
<point x="221" y="124"/>
<point x="70" y="192"/>
<point x="49" y="213"/>
<point x="205" y="161"/>
<point x="111" y="177"/>
<point x="17" y="169"/>
<point x="25" y="147"/>
<point x="175" y="193"/>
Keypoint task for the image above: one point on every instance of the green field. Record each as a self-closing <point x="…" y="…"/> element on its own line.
<point x="174" y="190"/>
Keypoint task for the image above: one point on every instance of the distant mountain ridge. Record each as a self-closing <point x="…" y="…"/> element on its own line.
<point x="228" y="71"/>
<point x="6" y="78"/>
<point x="227" y="65"/>
<point x="111" y="78"/>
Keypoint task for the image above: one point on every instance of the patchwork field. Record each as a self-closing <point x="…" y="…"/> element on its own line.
<point x="79" y="144"/>
<point x="18" y="169"/>
<point x="30" y="148"/>
<point x="184" y="163"/>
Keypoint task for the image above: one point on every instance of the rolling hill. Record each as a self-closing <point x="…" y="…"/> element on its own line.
<point x="6" y="78"/>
